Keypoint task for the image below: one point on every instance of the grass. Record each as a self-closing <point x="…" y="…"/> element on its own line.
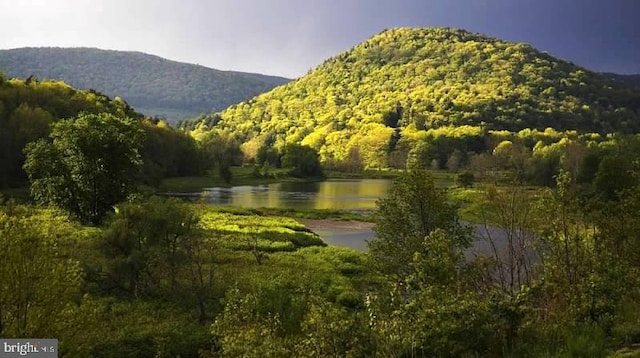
<point x="253" y="232"/>
<point x="473" y="204"/>
<point x="366" y="174"/>
<point x="333" y="214"/>
<point x="277" y="257"/>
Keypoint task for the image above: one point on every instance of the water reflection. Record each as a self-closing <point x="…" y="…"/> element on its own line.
<point x="357" y="194"/>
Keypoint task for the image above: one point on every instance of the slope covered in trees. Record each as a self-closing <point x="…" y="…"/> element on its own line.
<point x="151" y="84"/>
<point x="401" y="89"/>
<point x="632" y="80"/>
<point x="30" y="108"/>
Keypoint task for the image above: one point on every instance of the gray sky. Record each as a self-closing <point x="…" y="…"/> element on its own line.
<point x="289" y="37"/>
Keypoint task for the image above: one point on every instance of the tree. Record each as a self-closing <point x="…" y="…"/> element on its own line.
<point x="303" y="161"/>
<point x="145" y="244"/>
<point x="465" y="179"/>
<point x="412" y="210"/>
<point x="38" y="284"/>
<point x="90" y="163"/>
<point x="223" y="151"/>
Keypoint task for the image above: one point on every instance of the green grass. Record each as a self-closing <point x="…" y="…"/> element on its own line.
<point x="475" y="208"/>
<point x="333" y="214"/>
<point x="295" y="259"/>
<point x="366" y="174"/>
<point x="264" y="233"/>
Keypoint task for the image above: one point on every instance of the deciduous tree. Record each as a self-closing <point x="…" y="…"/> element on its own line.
<point x="89" y="163"/>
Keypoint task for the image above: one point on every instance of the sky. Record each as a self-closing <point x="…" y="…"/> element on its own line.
<point x="290" y="37"/>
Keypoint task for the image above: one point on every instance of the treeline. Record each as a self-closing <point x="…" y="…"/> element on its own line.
<point x="29" y="108"/>
<point x="403" y="83"/>
<point x="533" y="157"/>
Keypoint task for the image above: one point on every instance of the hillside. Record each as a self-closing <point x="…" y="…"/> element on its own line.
<point x="29" y="108"/>
<point x="394" y="90"/>
<point x="631" y="80"/>
<point x="152" y="85"/>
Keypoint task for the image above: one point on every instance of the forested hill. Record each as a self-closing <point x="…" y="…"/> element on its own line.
<point x="151" y="84"/>
<point x="632" y="80"/>
<point x="30" y="108"/>
<point x="399" y="84"/>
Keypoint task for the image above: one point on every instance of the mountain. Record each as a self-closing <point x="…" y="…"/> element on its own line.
<point x="152" y="85"/>
<point x="631" y="80"/>
<point x="405" y="85"/>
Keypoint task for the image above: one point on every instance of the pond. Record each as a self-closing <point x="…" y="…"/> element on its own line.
<point x="352" y="194"/>
<point x="344" y="194"/>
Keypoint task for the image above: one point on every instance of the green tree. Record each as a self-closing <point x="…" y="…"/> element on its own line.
<point x="613" y="176"/>
<point x="38" y="285"/>
<point x="145" y="244"/>
<point x="223" y="151"/>
<point x="412" y="210"/>
<point x="465" y="179"/>
<point x="90" y="163"/>
<point x="303" y="161"/>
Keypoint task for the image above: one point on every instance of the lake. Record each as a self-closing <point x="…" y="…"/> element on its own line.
<point x="344" y="194"/>
<point x="351" y="194"/>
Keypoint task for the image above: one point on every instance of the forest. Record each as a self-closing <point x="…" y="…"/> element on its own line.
<point x="543" y="158"/>
<point x="398" y="91"/>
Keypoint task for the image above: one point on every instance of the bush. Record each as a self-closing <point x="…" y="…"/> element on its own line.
<point x="465" y="179"/>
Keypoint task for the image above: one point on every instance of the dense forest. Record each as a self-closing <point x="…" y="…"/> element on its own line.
<point x="152" y="85"/>
<point x="404" y="88"/>
<point x="29" y="108"/>
<point x="632" y="80"/>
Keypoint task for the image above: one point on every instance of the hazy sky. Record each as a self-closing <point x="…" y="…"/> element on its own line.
<point x="289" y="37"/>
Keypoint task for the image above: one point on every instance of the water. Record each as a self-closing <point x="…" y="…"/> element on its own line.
<point x="358" y="194"/>
<point x="349" y="194"/>
<point x="345" y="194"/>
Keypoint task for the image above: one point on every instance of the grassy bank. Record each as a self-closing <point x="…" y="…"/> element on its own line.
<point x="296" y="213"/>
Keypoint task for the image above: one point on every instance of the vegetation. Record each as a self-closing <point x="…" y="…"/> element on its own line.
<point x="552" y="270"/>
<point x="419" y="95"/>
<point x="632" y="80"/>
<point x="89" y="165"/>
<point x="153" y="85"/>
<point x="29" y="109"/>
<point x="412" y="211"/>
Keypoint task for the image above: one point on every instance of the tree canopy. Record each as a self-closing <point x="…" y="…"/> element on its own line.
<point x="412" y="210"/>
<point x="89" y="164"/>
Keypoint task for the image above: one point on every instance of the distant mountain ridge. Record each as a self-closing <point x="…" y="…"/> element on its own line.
<point x="152" y="85"/>
<point x="631" y="80"/>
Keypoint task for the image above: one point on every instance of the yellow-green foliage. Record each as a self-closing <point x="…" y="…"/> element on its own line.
<point x="29" y="107"/>
<point x="268" y="233"/>
<point x="419" y="80"/>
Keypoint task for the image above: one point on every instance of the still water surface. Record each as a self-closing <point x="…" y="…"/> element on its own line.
<point x="351" y="194"/>
<point x="359" y="194"/>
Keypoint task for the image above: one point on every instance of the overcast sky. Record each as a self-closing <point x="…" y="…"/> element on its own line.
<point x="289" y="37"/>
